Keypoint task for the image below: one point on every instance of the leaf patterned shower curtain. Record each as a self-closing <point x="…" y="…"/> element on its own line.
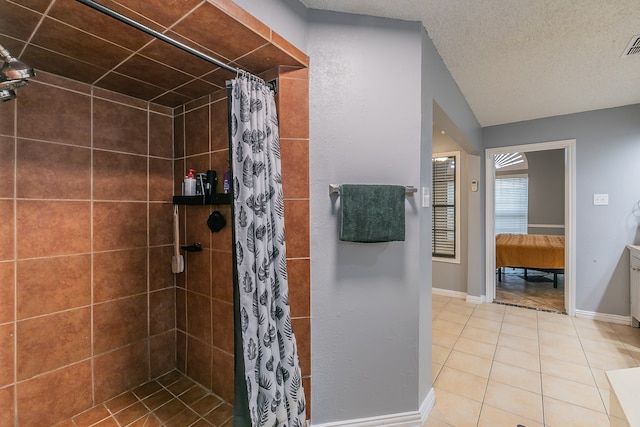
<point x="272" y="370"/>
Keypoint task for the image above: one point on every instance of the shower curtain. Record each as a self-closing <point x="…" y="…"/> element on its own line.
<point x="271" y="369"/>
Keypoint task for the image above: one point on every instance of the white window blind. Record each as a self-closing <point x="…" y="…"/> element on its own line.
<point x="512" y="204"/>
<point x="444" y="207"/>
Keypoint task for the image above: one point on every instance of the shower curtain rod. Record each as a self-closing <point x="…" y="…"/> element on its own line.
<point x="120" y="17"/>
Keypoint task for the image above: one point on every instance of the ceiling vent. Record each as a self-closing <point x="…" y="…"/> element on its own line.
<point x="633" y="47"/>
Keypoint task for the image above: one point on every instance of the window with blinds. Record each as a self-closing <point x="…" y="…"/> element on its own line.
<point x="512" y="204"/>
<point x="445" y="239"/>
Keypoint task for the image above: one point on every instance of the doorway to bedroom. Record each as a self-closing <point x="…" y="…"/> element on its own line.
<point x="529" y="225"/>
<point x="530" y="288"/>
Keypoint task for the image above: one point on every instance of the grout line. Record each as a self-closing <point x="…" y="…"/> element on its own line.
<point x="591" y="369"/>
<point x="540" y="333"/>
<point x="91" y="147"/>
<point x="148" y="260"/>
<point x="15" y="260"/>
<point x="91" y="245"/>
<point x="116" y="100"/>
<point x="42" y="18"/>
<point x="493" y="360"/>
<point x="540" y="367"/>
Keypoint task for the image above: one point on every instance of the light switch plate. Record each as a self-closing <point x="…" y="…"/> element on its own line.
<point x="600" y="199"/>
<point x="425" y="197"/>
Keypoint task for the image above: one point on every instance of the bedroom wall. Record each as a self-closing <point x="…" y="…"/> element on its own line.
<point x="546" y="190"/>
<point x="607" y="153"/>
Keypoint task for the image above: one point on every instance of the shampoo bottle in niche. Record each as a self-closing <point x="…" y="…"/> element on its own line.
<point x="190" y="183"/>
<point x="226" y="185"/>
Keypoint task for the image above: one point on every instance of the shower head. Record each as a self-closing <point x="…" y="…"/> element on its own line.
<point x="13" y="69"/>
<point x="7" y="95"/>
<point x="14" y="74"/>
<point x="7" y="89"/>
<point x="14" y="84"/>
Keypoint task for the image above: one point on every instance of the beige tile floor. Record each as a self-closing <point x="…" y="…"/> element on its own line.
<point x="496" y="365"/>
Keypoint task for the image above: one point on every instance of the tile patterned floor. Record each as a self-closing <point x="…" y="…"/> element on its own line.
<point x="172" y="400"/>
<point x="536" y="292"/>
<point x="497" y="365"/>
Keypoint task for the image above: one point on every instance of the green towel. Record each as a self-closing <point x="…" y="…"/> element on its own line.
<point x="372" y="213"/>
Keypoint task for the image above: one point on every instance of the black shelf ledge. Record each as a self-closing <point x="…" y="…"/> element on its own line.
<point x="215" y="199"/>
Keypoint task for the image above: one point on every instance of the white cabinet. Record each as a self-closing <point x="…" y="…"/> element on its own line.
<point x="623" y="397"/>
<point x="634" y="284"/>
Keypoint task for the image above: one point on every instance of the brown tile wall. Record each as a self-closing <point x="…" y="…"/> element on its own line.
<point x="293" y="116"/>
<point x="87" y="301"/>
<point x="204" y="297"/>
<point x="204" y="294"/>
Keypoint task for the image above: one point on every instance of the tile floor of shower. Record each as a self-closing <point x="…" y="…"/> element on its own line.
<point x="172" y="400"/>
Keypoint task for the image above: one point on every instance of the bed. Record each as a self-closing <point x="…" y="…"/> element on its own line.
<point x="539" y="252"/>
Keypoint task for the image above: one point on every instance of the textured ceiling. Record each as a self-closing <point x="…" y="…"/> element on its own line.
<point x="521" y="59"/>
<point x="70" y="39"/>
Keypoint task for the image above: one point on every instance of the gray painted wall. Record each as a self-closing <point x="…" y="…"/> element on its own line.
<point x="452" y="113"/>
<point x="371" y="123"/>
<point x="451" y="275"/>
<point x="607" y="159"/>
<point x="365" y="127"/>
<point x="546" y="190"/>
<point x="475" y="242"/>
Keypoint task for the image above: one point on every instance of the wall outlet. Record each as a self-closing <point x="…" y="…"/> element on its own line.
<point x="600" y="199"/>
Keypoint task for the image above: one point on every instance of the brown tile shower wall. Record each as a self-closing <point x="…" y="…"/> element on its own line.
<point x="204" y="298"/>
<point x="293" y="115"/>
<point x="86" y="290"/>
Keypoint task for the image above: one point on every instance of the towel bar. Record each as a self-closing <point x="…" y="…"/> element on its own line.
<point x="335" y="189"/>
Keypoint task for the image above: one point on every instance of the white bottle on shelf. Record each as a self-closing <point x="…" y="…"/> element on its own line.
<point x="190" y="183"/>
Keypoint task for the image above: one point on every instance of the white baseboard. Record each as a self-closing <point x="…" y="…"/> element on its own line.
<point x="476" y="300"/>
<point x="448" y="293"/>
<point x="459" y="295"/>
<point x="405" y="419"/>
<point x="604" y="317"/>
<point x="427" y="406"/>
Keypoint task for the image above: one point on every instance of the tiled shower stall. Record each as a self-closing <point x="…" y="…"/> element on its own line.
<point x="205" y="346"/>
<point x="89" y="307"/>
<point x="87" y="294"/>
